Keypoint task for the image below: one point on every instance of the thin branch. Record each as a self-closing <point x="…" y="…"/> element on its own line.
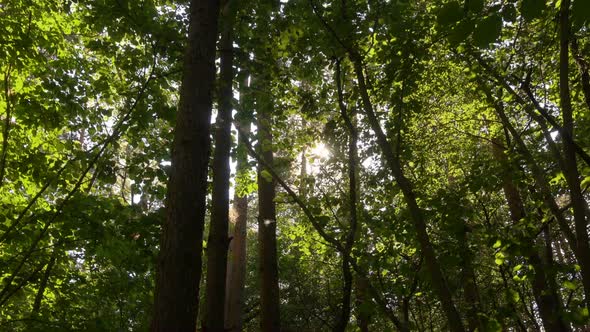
<point x="6" y="129"/>
<point x="527" y="107"/>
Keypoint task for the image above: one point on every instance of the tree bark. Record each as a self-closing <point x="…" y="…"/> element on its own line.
<point x="237" y="266"/>
<point x="571" y="172"/>
<point x="176" y="297"/>
<point x="546" y="297"/>
<point x="218" y="240"/>
<point x="468" y="280"/>
<point x="342" y="321"/>
<point x="6" y="128"/>
<point x="584" y="68"/>
<point x="267" y="223"/>
<point x="540" y="181"/>
<point x="363" y="317"/>
<point x="44" y="282"/>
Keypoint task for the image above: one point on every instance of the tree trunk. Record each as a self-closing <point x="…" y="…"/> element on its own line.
<point x="218" y="241"/>
<point x="583" y="68"/>
<point x="570" y="171"/>
<point x="176" y="297"/>
<point x="541" y="182"/>
<point x="363" y="316"/>
<point x="237" y="266"/>
<point x="546" y="297"/>
<point x="353" y="188"/>
<point x="468" y="280"/>
<point x="438" y="281"/>
<point x="44" y="282"/>
<point x="267" y="223"/>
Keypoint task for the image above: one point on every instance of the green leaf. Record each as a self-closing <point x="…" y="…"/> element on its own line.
<point x="266" y="175"/>
<point x="450" y="13"/>
<point x="493" y="326"/>
<point x="509" y="13"/>
<point x="461" y="32"/>
<point x="323" y="220"/>
<point x="487" y="30"/>
<point x="557" y="179"/>
<point x="569" y="285"/>
<point x="580" y="12"/>
<point x="531" y="9"/>
<point x="475" y="6"/>
<point x="497" y="245"/>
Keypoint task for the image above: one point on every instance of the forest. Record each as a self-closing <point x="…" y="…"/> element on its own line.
<point x="294" y="165"/>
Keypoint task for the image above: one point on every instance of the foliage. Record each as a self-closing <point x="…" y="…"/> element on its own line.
<point x="88" y="98"/>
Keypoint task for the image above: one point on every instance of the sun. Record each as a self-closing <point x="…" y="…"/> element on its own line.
<point x="320" y="151"/>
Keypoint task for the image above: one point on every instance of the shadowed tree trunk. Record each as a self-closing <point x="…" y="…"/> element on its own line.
<point x="353" y="188"/>
<point x="583" y="68"/>
<point x="176" y="298"/>
<point x="541" y="183"/>
<point x="363" y="316"/>
<point x="44" y="282"/>
<point x="546" y="297"/>
<point x="218" y="240"/>
<point x="236" y="277"/>
<point x="469" y="282"/>
<point x="570" y="170"/>
<point x="267" y="222"/>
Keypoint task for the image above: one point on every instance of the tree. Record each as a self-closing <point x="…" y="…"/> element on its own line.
<point x="179" y="263"/>
<point x="267" y="216"/>
<point x="236" y="270"/>
<point x="217" y="244"/>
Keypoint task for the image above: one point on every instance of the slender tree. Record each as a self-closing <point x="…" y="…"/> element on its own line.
<point x="570" y="170"/>
<point x="267" y="217"/>
<point x="236" y="277"/>
<point x="550" y="308"/>
<point x="218" y="241"/>
<point x="353" y="189"/>
<point x="437" y="278"/>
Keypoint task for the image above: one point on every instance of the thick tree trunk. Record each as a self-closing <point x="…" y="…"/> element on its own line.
<point x="570" y="171"/>
<point x="267" y="222"/>
<point x="218" y="240"/>
<point x="438" y="281"/>
<point x="237" y="265"/>
<point x="176" y="298"/>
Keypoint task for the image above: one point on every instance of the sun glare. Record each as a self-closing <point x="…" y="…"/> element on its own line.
<point x="320" y="151"/>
